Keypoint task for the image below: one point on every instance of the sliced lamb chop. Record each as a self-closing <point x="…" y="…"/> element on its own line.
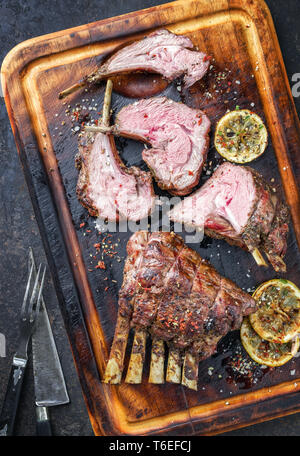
<point x="178" y="136"/>
<point x="176" y="297"/>
<point x="105" y="186"/>
<point x="162" y="52"/>
<point x="236" y="204"/>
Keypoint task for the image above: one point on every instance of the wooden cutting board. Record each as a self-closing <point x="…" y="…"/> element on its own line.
<point x="247" y="70"/>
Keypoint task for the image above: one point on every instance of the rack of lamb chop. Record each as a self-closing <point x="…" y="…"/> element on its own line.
<point x="237" y="205"/>
<point x="105" y="186"/>
<point x="178" y="135"/>
<point x="161" y="52"/>
<point x="170" y="293"/>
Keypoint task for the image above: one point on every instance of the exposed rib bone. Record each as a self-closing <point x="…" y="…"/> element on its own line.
<point x="190" y="372"/>
<point x="157" y="362"/>
<point x="277" y="262"/>
<point x="136" y="362"/>
<point x="106" y="103"/>
<point x="174" y="366"/>
<point x="114" y="368"/>
<point x="71" y="89"/>
<point x="99" y="129"/>
<point x="259" y="258"/>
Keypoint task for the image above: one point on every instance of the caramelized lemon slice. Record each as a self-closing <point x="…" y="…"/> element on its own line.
<point x="278" y="316"/>
<point x="265" y="352"/>
<point x="241" y="136"/>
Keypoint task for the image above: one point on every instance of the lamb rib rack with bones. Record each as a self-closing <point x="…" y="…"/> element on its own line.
<point x="105" y="186"/>
<point x="174" y="295"/>
<point x="178" y="136"/>
<point x="161" y="52"/>
<point x="237" y="205"/>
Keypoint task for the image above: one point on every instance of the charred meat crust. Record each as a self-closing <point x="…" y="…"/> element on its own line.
<point x="275" y="242"/>
<point x="268" y="226"/>
<point x="83" y="183"/>
<point x="170" y="291"/>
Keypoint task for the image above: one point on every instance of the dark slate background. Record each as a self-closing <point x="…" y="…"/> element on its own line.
<point x="19" y="21"/>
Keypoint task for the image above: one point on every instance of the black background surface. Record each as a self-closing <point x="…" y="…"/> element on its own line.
<point x="21" y="20"/>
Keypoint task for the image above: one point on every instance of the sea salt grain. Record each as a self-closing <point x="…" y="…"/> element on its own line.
<point x="210" y="370"/>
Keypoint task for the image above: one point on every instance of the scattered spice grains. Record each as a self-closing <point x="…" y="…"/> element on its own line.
<point x="105" y="248"/>
<point x="80" y="115"/>
<point x="219" y="82"/>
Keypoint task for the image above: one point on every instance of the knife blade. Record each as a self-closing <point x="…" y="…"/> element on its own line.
<point x="49" y="383"/>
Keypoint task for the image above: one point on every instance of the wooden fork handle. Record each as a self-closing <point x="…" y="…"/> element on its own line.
<point x="12" y="397"/>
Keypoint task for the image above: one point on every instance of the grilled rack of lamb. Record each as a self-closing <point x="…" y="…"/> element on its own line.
<point x="237" y="205"/>
<point x="178" y="136"/>
<point x="105" y="186"/>
<point x="161" y="52"/>
<point x="174" y="295"/>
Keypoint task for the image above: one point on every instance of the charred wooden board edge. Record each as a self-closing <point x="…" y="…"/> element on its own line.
<point x="62" y="276"/>
<point x="36" y="178"/>
<point x="237" y="417"/>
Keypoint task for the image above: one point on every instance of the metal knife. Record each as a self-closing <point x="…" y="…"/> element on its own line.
<point x="49" y="383"/>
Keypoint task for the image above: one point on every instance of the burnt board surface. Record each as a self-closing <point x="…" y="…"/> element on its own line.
<point x="246" y="71"/>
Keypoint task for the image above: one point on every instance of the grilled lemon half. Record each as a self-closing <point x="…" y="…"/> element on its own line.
<point x="241" y="136"/>
<point x="265" y="352"/>
<point x="278" y="316"/>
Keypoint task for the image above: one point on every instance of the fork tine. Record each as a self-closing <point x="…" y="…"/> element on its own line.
<point x="31" y="261"/>
<point x="34" y="293"/>
<point x="26" y="292"/>
<point x="39" y="299"/>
